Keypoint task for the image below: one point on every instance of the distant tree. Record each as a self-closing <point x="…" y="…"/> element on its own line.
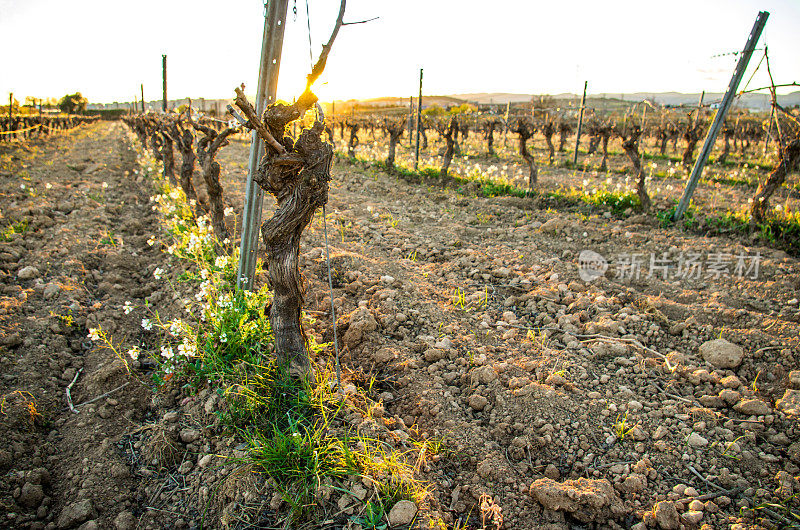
<point x="73" y="103"/>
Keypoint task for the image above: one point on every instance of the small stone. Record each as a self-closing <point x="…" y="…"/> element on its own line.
<point x="169" y="417"/>
<point x="634" y="483"/>
<point x="553" y="225"/>
<point x="211" y="403"/>
<point x="12" y="339"/>
<point x="28" y="273"/>
<point x="731" y="397"/>
<point x="478" y="402"/>
<point x="125" y="521"/>
<point x="387" y="280"/>
<point x="31" y="496"/>
<point x="634" y="405"/>
<point x="484" y="374"/>
<point x="189" y="435"/>
<point x="692" y="517"/>
<point x="434" y="354"/>
<point x="402" y="513"/>
<point x="51" y="290"/>
<point x="384" y="355"/>
<point x="794" y="378"/>
<point x="661" y="431"/>
<point x="552" y="472"/>
<point x="75" y="513"/>
<point x="677" y="329"/>
<point x="720" y="353"/>
<point x="752" y="407"/>
<point x="555" y="379"/>
<point x="185" y="468"/>
<point x="790" y="402"/>
<point x="205" y="461"/>
<point x="731" y="381"/>
<point x="667" y="515"/>
<point x="697" y="505"/>
<point x="695" y="440"/>
<point x="359" y="491"/>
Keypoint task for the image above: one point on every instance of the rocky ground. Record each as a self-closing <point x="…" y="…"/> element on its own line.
<point x="665" y="397"/>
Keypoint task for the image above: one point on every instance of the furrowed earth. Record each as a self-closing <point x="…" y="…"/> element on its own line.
<point x="639" y="398"/>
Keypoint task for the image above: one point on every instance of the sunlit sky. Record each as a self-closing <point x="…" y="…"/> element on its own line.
<point x="105" y="49"/>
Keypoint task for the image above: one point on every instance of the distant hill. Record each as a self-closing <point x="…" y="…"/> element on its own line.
<point x="750" y="101"/>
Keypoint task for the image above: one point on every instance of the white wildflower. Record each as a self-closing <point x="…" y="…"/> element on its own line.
<point x="157" y="273"/>
<point x="128" y="307"/>
<point x="134" y="352"/>
<point x="94" y="334"/>
<point x="167" y="352"/>
<point x="147" y="324"/>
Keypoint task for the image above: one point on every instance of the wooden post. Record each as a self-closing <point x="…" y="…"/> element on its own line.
<point x="164" y="83"/>
<point x="10" y="105"/>
<point x="141" y="86"/>
<point x="419" y="118"/>
<point x="40" y="107"/>
<point x="580" y="124"/>
<point x="719" y="118"/>
<point x="135" y="103"/>
<point x="644" y="116"/>
<point x="271" y="46"/>
<point x="699" y="108"/>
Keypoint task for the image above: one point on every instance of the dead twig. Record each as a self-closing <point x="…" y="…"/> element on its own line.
<point x="120" y="387"/>
<point x="704" y="479"/>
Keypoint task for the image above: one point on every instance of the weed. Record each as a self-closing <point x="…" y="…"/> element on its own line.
<point x="372" y="518"/>
<point x="458" y="299"/>
<point x="67" y="319"/>
<point x="18" y="227"/>
<point x="621" y="428"/>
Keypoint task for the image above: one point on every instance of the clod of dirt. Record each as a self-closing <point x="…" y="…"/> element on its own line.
<point x="586" y="499"/>
<point x="31" y="495"/>
<point x="790" y="402"/>
<point x="667" y="515"/>
<point x="75" y="513"/>
<point x="361" y="322"/>
<point x="722" y="354"/>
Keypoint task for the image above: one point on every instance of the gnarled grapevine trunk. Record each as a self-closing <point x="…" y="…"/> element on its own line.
<point x="789" y="159"/>
<point x="184" y="140"/>
<point x="296" y="173"/>
<point x="564" y="129"/>
<point x="207" y="148"/>
<point x="548" y="129"/>
<point x="630" y="143"/>
<point x="692" y="136"/>
<point x="525" y="130"/>
<point x="605" y="135"/>
<point x="448" y="135"/>
<point x="488" y="134"/>
<point x="394" y="130"/>
<point x="353" y="143"/>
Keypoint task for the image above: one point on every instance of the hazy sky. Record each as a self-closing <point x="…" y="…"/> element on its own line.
<point x="106" y="48"/>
